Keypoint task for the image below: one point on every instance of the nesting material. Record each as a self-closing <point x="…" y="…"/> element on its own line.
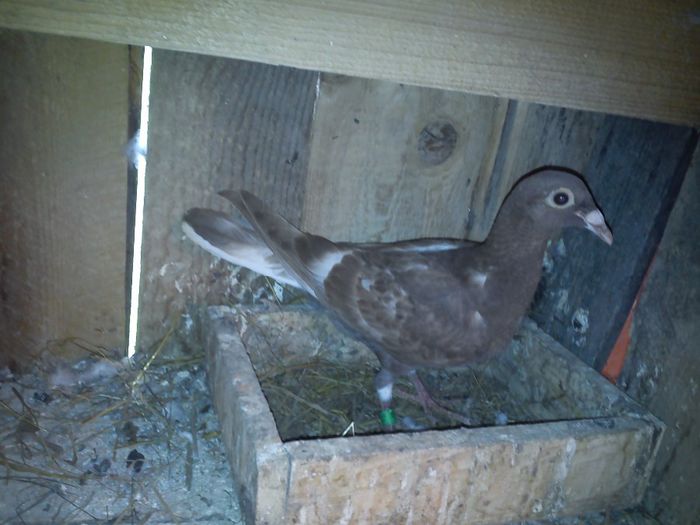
<point x="553" y="437"/>
<point x="111" y="441"/>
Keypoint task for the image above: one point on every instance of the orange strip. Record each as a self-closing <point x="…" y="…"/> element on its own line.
<point x="616" y="359"/>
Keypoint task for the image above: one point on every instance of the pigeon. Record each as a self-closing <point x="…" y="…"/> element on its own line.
<point x="423" y="303"/>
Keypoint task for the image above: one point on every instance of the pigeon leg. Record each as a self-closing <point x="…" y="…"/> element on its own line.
<point x="430" y="405"/>
<point x="384" y="383"/>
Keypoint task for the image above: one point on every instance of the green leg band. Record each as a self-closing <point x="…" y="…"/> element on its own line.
<point x="387" y="417"/>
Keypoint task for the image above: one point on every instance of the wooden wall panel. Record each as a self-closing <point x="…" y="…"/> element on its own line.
<point x="367" y="182"/>
<point x="215" y="124"/>
<point x="225" y="124"/>
<point x="662" y="369"/>
<point x="381" y="167"/>
<point x="63" y="107"/>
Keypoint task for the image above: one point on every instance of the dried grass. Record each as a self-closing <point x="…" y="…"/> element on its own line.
<point x="63" y="450"/>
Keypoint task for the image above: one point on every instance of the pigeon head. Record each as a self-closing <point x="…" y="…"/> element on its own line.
<point x="552" y="200"/>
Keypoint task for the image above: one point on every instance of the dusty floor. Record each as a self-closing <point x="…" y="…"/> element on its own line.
<point x="107" y="442"/>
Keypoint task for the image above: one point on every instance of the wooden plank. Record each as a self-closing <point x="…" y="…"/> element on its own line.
<point x="663" y="364"/>
<point x="63" y="103"/>
<point x="390" y="161"/>
<point x="636" y="58"/>
<point x="215" y="124"/>
<point x="476" y="476"/>
<point x="248" y="427"/>
<point x="533" y="136"/>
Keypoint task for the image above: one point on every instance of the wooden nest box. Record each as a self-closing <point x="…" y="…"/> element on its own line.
<point x="585" y="447"/>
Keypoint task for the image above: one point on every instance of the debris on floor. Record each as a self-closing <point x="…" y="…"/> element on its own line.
<point x="108" y="440"/>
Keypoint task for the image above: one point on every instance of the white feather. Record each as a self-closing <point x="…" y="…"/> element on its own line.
<point x="253" y="257"/>
<point x="478" y="278"/>
<point x="322" y="267"/>
<point x="437" y="246"/>
<point x="385" y="393"/>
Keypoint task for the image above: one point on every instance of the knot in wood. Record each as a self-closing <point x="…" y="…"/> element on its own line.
<point x="436" y="142"/>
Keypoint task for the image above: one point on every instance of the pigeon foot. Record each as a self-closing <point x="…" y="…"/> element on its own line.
<point x="429" y="404"/>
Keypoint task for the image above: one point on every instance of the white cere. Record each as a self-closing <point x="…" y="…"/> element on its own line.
<point x="595" y="218"/>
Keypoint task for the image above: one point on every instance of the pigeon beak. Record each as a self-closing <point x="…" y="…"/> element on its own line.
<point x="594" y="221"/>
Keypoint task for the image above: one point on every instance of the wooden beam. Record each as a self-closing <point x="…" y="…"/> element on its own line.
<point x="63" y="103"/>
<point x="638" y="58"/>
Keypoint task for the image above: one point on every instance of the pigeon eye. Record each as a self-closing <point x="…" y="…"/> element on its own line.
<point x="561" y="198"/>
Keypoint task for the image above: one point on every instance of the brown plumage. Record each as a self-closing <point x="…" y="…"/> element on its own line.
<point x="420" y="303"/>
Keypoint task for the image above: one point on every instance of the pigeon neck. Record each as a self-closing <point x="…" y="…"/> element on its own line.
<point x="516" y="236"/>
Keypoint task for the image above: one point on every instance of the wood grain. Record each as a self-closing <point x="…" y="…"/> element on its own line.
<point x="663" y="365"/>
<point x="370" y="180"/>
<point x="533" y="136"/>
<point x="63" y="103"/>
<point x="630" y="58"/>
<point x="215" y="124"/>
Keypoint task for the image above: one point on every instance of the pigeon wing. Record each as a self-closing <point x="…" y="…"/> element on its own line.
<point x="410" y="304"/>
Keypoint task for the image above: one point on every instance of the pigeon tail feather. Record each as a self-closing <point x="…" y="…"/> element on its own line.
<point x="308" y="258"/>
<point x="235" y="242"/>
